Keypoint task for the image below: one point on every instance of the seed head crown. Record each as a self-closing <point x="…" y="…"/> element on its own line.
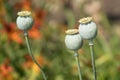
<point x="24" y="13"/>
<point x="72" y="31"/>
<point x="85" y="20"/>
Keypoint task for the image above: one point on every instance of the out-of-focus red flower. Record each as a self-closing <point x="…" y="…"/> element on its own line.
<point x="12" y="32"/>
<point x="26" y="5"/>
<point x="5" y="70"/>
<point x="23" y="5"/>
<point x="15" y="37"/>
<point x="39" y="16"/>
<point x="29" y="62"/>
<point x="42" y="61"/>
<point x="34" y="33"/>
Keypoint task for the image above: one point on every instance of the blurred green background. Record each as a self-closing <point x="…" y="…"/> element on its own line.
<point x="51" y="19"/>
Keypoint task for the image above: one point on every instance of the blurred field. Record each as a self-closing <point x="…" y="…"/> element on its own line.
<point x="52" y="18"/>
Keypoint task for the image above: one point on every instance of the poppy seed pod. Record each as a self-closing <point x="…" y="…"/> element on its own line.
<point x="87" y="28"/>
<point x="73" y="40"/>
<point x="24" y="20"/>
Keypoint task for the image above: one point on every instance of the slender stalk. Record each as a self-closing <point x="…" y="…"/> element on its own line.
<point x="93" y="59"/>
<point x="30" y="53"/>
<point x="78" y="64"/>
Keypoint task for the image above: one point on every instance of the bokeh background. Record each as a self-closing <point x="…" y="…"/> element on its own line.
<point x="51" y="19"/>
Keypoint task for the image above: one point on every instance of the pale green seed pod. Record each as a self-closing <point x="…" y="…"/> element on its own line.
<point x="73" y="40"/>
<point x="24" y="20"/>
<point x="87" y="28"/>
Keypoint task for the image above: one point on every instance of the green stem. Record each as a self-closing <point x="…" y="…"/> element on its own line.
<point x="78" y="64"/>
<point x="30" y="53"/>
<point x="93" y="58"/>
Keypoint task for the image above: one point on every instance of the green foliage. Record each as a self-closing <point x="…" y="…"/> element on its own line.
<point x="57" y="61"/>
